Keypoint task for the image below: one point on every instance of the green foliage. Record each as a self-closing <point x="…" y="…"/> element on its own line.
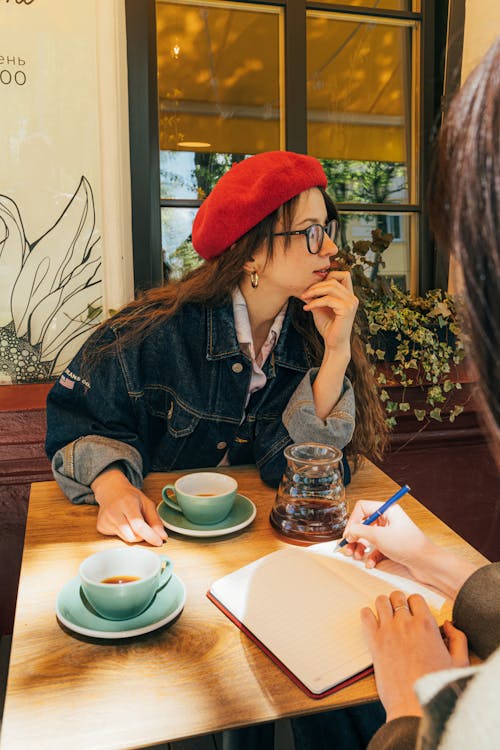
<point x="183" y="259"/>
<point x="351" y="181"/>
<point x="209" y="168"/>
<point x="417" y="337"/>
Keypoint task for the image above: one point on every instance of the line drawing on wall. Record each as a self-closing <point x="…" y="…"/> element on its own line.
<point x="56" y="298"/>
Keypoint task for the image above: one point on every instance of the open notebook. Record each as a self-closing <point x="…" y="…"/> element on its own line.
<point x="301" y="606"/>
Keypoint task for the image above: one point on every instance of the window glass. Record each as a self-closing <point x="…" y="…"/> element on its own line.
<point x="360" y="110"/>
<point x="367" y="181"/>
<point x="177" y="249"/>
<point x="219" y="89"/>
<point x="397" y="258"/>
<point x="379" y="4"/>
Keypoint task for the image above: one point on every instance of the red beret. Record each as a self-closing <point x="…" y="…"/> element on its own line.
<point x="247" y="193"/>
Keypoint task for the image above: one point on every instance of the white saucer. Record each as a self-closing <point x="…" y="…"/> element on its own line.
<point x="242" y="514"/>
<point x="74" y="611"/>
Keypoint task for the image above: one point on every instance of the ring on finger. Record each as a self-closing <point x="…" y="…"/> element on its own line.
<point x="401" y="606"/>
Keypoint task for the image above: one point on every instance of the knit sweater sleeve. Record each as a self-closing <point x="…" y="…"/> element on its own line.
<point x="477" y="610"/>
<point x="398" y="734"/>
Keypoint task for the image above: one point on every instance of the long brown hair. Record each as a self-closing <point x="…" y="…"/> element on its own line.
<point x="212" y="283"/>
<point x="465" y="217"/>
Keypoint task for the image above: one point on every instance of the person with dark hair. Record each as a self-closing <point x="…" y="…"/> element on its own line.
<point x="248" y="353"/>
<point x="432" y="697"/>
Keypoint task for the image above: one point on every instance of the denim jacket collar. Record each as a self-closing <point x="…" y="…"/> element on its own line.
<point x="222" y="342"/>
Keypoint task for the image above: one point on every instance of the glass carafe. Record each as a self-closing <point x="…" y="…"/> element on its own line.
<point x="310" y="504"/>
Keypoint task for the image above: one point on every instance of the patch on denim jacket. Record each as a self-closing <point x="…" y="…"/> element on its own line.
<point x="68" y="380"/>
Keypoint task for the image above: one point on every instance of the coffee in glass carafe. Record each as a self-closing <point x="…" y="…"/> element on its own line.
<point x="310" y="504"/>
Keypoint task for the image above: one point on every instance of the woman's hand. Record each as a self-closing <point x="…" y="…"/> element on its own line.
<point x="395" y="536"/>
<point x="125" y="511"/>
<point x="405" y="643"/>
<point x="333" y="305"/>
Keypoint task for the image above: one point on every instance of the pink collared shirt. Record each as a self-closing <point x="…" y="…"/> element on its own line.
<point x="245" y="340"/>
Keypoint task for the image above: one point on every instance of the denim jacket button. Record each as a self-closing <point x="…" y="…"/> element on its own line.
<point x="237" y="367"/>
<point x="221" y="445"/>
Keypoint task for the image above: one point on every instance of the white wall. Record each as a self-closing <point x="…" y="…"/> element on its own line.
<point x="482" y="26"/>
<point x="65" y="215"/>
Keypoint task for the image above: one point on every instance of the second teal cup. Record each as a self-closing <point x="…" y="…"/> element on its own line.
<point x="204" y="498"/>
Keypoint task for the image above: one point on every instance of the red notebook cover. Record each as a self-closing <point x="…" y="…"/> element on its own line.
<point x="294" y="678"/>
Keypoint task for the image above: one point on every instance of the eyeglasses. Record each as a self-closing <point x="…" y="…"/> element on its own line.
<point x="314" y="235"/>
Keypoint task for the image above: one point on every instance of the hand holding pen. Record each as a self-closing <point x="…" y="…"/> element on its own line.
<point x="377" y="513"/>
<point x="393" y="535"/>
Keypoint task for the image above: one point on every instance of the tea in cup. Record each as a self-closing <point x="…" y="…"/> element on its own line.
<point x="204" y="498"/>
<point x="121" y="583"/>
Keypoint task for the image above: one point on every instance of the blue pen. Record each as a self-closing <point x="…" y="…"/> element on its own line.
<point x="373" y="517"/>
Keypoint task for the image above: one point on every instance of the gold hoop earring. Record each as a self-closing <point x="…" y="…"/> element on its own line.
<point x="254" y="279"/>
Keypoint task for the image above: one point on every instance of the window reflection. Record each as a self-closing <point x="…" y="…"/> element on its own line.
<point x="359" y="84"/>
<point x="177" y="250"/>
<point x="351" y="181"/>
<point x="357" y="228"/>
<point x="380" y="4"/>
<point x="219" y="87"/>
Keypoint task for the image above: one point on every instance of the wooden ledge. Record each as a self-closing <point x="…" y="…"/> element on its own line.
<point x="24" y="397"/>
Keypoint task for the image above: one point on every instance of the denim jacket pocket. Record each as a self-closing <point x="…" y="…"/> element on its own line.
<point x="162" y="402"/>
<point x="176" y="423"/>
<point x="180" y="421"/>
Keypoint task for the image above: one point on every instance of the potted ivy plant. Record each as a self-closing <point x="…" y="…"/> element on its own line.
<point x="411" y="341"/>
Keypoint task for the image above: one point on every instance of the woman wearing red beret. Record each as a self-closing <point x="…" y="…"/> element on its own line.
<point x="250" y="352"/>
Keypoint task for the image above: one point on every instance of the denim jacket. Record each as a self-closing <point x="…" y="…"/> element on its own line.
<point x="176" y="400"/>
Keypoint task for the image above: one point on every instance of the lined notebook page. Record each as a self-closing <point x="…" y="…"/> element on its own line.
<point x="305" y="610"/>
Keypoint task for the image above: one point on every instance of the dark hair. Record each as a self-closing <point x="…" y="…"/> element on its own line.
<point x="465" y="218"/>
<point x="212" y="283"/>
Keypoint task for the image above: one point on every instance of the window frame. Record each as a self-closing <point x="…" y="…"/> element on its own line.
<point x="144" y="137"/>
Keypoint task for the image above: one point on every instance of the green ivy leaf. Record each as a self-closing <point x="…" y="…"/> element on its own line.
<point x="436" y="414"/>
<point x="455" y="412"/>
<point x="420" y="414"/>
<point x="404" y="406"/>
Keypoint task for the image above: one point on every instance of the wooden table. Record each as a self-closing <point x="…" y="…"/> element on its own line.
<point x="197" y="675"/>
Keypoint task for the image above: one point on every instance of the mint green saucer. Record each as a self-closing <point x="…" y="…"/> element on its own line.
<point x="73" y="611"/>
<point x="241" y="515"/>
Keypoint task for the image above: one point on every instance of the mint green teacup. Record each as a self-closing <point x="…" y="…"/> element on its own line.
<point x="204" y="498"/>
<point x="121" y="582"/>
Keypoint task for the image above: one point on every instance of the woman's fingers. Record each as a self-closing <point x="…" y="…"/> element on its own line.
<point x="131" y="516"/>
<point x="124" y="530"/>
<point x="153" y="519"/>
<point x="340" y="278"/>
<point x="384" y="609"/>
<point x="369" y="625"/>
<point x="457" y="645"/>
<point x="144" y="531"/>
<point x="419" y="607"/>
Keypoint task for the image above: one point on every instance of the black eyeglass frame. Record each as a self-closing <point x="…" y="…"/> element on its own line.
<point x="331" y="229"/>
